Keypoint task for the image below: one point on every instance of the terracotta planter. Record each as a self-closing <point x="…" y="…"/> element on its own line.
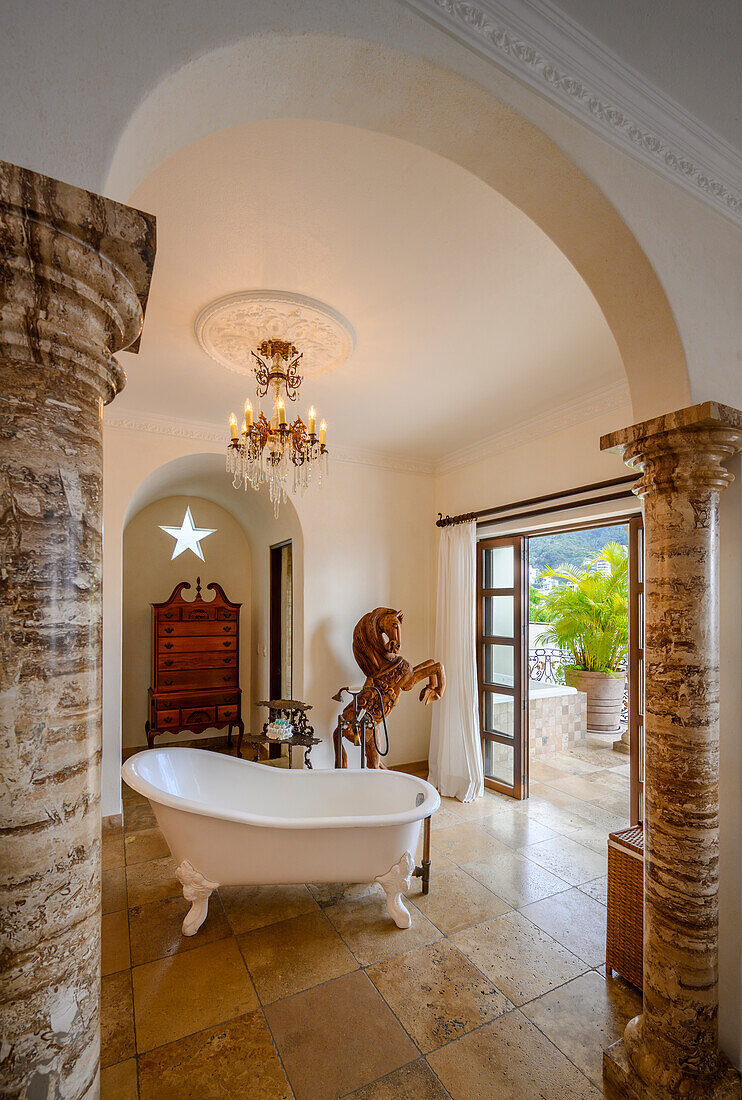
<point x="604" y="692"/>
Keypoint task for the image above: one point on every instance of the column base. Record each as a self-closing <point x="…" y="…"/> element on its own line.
<point x="620" y="1081"/>
<point x="623" y="745"/>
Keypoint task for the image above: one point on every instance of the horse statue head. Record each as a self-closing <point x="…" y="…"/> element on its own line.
<point x="377" y="638"/>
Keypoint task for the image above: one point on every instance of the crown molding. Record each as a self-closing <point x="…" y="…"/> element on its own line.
<point x="551" y="53"/>
<point x="593" y="404"/>
<point x="201" y="432"/>
<point x="562" y="416"/>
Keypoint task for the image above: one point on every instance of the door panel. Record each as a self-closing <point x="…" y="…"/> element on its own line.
<point x="501" y="661"/>
<point x="636" y="667"/>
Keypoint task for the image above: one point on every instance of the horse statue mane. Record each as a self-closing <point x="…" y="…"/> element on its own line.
<point x="371" y="651"/>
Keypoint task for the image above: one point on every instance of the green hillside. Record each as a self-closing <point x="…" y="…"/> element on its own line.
<point x="573" y="547"/>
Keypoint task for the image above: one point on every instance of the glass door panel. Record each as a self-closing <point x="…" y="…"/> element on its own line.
<point x="500" y="658"/>
<point x="636" y="668"/>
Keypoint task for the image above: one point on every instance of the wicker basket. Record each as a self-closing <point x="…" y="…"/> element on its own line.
<point x="623" y="951"/>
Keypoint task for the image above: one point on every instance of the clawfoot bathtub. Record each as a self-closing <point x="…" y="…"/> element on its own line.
<point x="230" y="822"/>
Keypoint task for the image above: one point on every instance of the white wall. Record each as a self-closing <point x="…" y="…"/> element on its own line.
<point x="151" y="574"/>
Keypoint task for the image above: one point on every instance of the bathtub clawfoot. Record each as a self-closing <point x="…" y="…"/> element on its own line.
<point x="197" y="890"/>
<point x="394" y="883"/>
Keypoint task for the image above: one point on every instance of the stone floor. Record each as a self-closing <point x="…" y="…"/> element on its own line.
<point x="498" y="989"/>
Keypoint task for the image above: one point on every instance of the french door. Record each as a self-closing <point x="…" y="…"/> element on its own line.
<point x="636" y="667"/>
<point x="502" y="662"/>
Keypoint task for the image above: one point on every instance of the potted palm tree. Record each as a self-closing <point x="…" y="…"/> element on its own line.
<point x="588" y="616"/>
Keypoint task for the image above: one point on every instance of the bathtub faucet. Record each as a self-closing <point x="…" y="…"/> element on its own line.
<point x="358" y="726"/>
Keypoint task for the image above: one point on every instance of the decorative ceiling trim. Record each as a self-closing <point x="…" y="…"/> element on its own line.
<point x="211" y="434"/>
<point x="553" y="54"/>
<point x="593" y="404"/>
<point x="232" y="327"/>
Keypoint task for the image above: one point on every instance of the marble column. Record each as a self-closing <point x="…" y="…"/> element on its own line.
<point x="672" y="1049"/>
<point x="75" y="271"/>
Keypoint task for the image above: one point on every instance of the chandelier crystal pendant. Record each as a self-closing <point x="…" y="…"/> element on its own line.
<point x="273" y="452"/>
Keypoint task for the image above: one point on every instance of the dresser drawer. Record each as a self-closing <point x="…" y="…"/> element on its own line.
<point x="196" y="645"/>
<point x="190" y="629"/>
<point x="225" y="714"/>
<point x="227" y="613"/>
<point x="194" y="680"/>
<point x="198" y="614"/>
<point x="198" y="716"/>
<point x="168" y="718"/>
<point x="168" y="614"/>
<point x="211" y="659"/>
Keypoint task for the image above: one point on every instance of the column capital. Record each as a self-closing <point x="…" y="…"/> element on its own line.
<point x="682" y="450"/>
<point x="75" y="271"/>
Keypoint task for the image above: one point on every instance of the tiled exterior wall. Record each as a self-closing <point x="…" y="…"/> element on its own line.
<point x="557" y="723"/>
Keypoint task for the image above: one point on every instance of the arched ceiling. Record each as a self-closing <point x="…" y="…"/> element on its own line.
<point x="468" y="319"/>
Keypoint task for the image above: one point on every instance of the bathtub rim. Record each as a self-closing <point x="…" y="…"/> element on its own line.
<point x="430" y="804"/>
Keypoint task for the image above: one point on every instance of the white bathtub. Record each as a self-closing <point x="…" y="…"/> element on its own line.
<point x="230" y="822"/>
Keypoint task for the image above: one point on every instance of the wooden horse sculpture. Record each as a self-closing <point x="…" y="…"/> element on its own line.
<point x="376" y="641"/>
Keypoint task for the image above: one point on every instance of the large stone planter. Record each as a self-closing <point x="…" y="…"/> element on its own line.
<point x="604" y="692"/>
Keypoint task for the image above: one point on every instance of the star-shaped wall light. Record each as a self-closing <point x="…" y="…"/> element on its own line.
<point x="188" y="536"/>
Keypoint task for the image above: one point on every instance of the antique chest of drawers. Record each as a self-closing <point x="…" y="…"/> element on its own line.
<point x="195" y="665"/>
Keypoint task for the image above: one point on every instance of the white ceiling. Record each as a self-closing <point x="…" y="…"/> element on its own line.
<point x="468" y="319"/>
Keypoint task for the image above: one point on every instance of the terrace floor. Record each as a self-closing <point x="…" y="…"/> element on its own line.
<point x="497" y="989"/>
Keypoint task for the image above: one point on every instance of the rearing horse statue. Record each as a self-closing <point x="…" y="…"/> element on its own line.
<point x="376" y="640"/>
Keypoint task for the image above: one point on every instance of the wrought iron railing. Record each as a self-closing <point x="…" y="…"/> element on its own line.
<point x="543" y="666"/>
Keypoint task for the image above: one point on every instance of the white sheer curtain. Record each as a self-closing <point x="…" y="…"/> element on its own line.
<point x="455" y="747"/>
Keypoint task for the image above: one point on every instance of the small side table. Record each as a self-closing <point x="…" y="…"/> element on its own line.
<point x="306" y="743"/>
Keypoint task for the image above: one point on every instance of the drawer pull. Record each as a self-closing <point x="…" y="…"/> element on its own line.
<point x="226" y="629"/>
<point x="168" y="664"/>
<point x="226" y="645"/>
<point x="227" y="660"/>
<point x="168" y="681"/>
<point x="226" y="679"/>
<point x="168" y="645"/>
<point x="169" y="629"/>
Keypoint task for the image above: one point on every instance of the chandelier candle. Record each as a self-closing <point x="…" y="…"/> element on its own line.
<point x="267" y="451"/>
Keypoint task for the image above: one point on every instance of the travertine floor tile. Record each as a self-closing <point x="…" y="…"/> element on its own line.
<point x="119" y="1082"/>
<point x="333" y="893"/>
<point x="112" y="849"/>
<point x="541" y="771"/>
<point x="574" y="920"/>
<point x="517" y="830"/>
<point x="144" y="845"/>
<point x="509" y="1060"/>
<point x="456" y="900"/>
<point x="152" y="881"/>
<point x="116" y="1019"/>
<point x="574" y="764"/>
<point x="579" y="786"/>
<point x="584" y="1017"/>
<point x="186" y="993"/>
<point x="518" y="957"/>
<point x="293" y="955"/>
<point x="249" y="907"/>
<point x="232" y="1060"/>
<point x="594" y="814"/>
<point x="542" y="793"/>
<point x="444" y="818"/>
<point x="484" y="806"/>
<point x="616" y="804"/>
<point x="466" y="842"/>
<point x="156" y="929"/>
<point x="515" y="879"/>
<point x="138" y="815"/>
<point x="562" y="819"/>
<point x="372" y="935"/>
<point x="413" y="1082"/>
<point x="597" y="889"/>
<point x="436" y="994"/>
<point x="113" y="889"/>
<point x="115" y="942"/>
<point x="593" y="837"/>
<point x="336" y="1037"/>
<point x="570" y="861"/>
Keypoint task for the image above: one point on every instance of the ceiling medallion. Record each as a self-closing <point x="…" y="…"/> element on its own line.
<point x="231" y="329"/>
<point x="267" y="451"/>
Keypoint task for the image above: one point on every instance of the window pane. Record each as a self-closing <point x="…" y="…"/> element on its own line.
<point x="499" y="567"/>
<point x="499" y="663"/>
<point x="499" y="713"/>
<point x="498" y="761"/>
<point x="498" y="616"/>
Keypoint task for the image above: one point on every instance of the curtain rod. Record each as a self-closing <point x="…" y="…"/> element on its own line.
<point x="465" y="517"/>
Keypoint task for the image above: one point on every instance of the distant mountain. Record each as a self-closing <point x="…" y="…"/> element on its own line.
<point x="572" y="547"/>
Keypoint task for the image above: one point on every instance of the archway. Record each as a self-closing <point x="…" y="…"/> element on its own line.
<point x="378" y="89"/>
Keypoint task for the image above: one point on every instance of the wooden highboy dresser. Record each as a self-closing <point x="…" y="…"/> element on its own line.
<point x="195" y="665"/>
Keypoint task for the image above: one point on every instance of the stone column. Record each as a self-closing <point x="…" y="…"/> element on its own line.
<point x="672" y="1049"/>
<point x="75" y="271"/>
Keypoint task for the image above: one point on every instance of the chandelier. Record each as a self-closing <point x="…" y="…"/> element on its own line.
<point x="274" y="452"/>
